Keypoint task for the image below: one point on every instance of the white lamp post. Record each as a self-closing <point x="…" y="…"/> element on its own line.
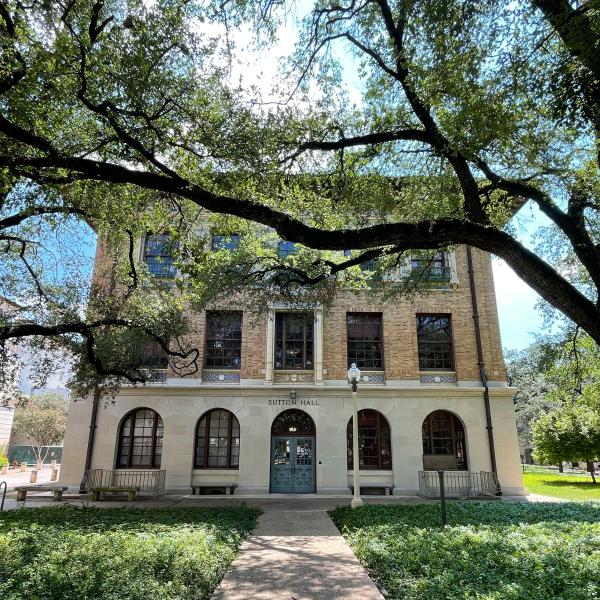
<point x="354" y="378"/>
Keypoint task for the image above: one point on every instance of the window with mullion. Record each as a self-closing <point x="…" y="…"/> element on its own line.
<point x="152" y="355"/>
<point x="140" y="440"/>
<point x="374" y="441"/>
<point x="294" y="341"/>
<point x="217" y="441"/>
<point x="444" y="435"/>
<point x="158" y="254"/>
<point x="434" y="267"/>
<point x="225" y="242"/>
<point x="223" y="340"/>
<point x="365" y="340"/>
<point x="434" y="338"/>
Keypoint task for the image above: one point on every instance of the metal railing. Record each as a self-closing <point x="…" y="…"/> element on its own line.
<point x="460" y="484"/>
<point x="147" y="481"/>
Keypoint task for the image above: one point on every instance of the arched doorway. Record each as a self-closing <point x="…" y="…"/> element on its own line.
<point x="444" y="444"/>
<point x="293" y="438"/>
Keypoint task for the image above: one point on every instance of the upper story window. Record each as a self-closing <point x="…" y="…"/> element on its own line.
<point x="285" y="248"/>
<point x="434" y="337"/>
<point x="294" y="340"/>
<point x="433" y="268"/>
<point x="223" y="339"/>
<point x="152" y="355"/>
<point x="365" y="340"/>
<point x="226" y="242"/>
<point x="158" y="254"/>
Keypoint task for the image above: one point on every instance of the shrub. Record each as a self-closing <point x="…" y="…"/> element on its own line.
<point x="69" y="553"/>
<point x="499" y="551"/>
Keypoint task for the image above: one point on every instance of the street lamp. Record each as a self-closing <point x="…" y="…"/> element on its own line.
<point x="354" y="378"/>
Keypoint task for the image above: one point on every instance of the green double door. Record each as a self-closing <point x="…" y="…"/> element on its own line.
<point x="292" y="465"/>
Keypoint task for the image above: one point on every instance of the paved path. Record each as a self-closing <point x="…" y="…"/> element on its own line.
<point x="296" y="555"/>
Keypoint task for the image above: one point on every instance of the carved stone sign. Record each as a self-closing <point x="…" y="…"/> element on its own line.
<point x="292" y="402"/>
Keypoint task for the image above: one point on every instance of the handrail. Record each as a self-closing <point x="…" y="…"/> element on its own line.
<point x="3" y="483"/>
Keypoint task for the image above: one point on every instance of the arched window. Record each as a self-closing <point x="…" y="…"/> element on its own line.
<point x="374" y="441"/>
<point x="140" y="440"/>
<point x="217" y="440"/>
<point x="444" y="442"/>
<point x="294" y="422"/>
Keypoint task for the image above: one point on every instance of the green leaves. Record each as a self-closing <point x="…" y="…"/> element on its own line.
<point x="68" y="553"/>
<point x="491" y="551"/>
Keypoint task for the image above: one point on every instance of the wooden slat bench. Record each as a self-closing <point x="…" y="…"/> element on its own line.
<point x="57" y="490"/>
<point x="98" y="492"/>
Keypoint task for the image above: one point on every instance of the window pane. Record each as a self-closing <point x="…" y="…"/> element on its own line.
<point x="213" y="439"/>
<point x="435" y="342"/>
<point x="141" y="440"/>
<point x="223" y="339"/>
<point x="365" y="340"/>
<point x="226" y="242"/>
<point x="374" y="441"/>
<point x="294" y="341"/>
<point x="158" y="255"/>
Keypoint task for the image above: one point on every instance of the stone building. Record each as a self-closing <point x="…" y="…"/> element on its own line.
<point x="270" y="411"/>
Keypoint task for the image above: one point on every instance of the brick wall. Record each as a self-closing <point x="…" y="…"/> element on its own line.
<point x="399" y="326"/>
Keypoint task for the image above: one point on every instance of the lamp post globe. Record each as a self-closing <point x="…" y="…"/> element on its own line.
<point x="353" y="375"/>
<point x="354" y="378"/>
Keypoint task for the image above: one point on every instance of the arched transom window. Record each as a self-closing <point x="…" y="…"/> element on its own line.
<point x="444" y="441"/>
<point x="374" y="441"/>
<point x="140" y="440"/>
<point x="217" y="440"/>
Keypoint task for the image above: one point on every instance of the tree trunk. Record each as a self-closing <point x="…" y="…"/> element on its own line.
<point x="560" y="467"/>
<point x="590" y="466"/>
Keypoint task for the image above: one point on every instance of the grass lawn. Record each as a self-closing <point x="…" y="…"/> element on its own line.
<point x="489" y="550"/>
<point x="571" y="487"/>
<point x="68" y="553"/>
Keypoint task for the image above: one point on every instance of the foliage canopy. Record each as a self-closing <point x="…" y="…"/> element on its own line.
<point x="138" y="116"/>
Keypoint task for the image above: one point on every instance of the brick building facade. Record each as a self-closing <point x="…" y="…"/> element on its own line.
<point x="270" y="409"/>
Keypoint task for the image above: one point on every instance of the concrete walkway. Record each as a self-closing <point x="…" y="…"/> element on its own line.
<point x="296" y="555"/>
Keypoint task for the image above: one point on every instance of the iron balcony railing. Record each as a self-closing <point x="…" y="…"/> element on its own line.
<point x="147" y="481"/>
<point x="460" y="484"/>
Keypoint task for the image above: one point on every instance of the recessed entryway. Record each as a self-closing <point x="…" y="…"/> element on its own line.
<point x="293" y="446"/>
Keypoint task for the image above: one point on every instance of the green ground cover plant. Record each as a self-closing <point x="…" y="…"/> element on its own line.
<point x="70" y="553"/>
<point x="562" y="485"/>
<point x="488" y="551"/>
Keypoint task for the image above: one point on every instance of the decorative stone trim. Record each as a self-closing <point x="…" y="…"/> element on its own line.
<point x="156" y="375"/>
<point x="220" y="377"/>
<point x="438" y="378"/>
<point x="293" y="377"/>
<point x="374" y="378"/>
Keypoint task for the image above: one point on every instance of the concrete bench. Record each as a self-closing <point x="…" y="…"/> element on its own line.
<point x="131" y="491"/>
<point x="387" y="489"/>
<point x="229" y="488"/>
<point x="57" y="490"/>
